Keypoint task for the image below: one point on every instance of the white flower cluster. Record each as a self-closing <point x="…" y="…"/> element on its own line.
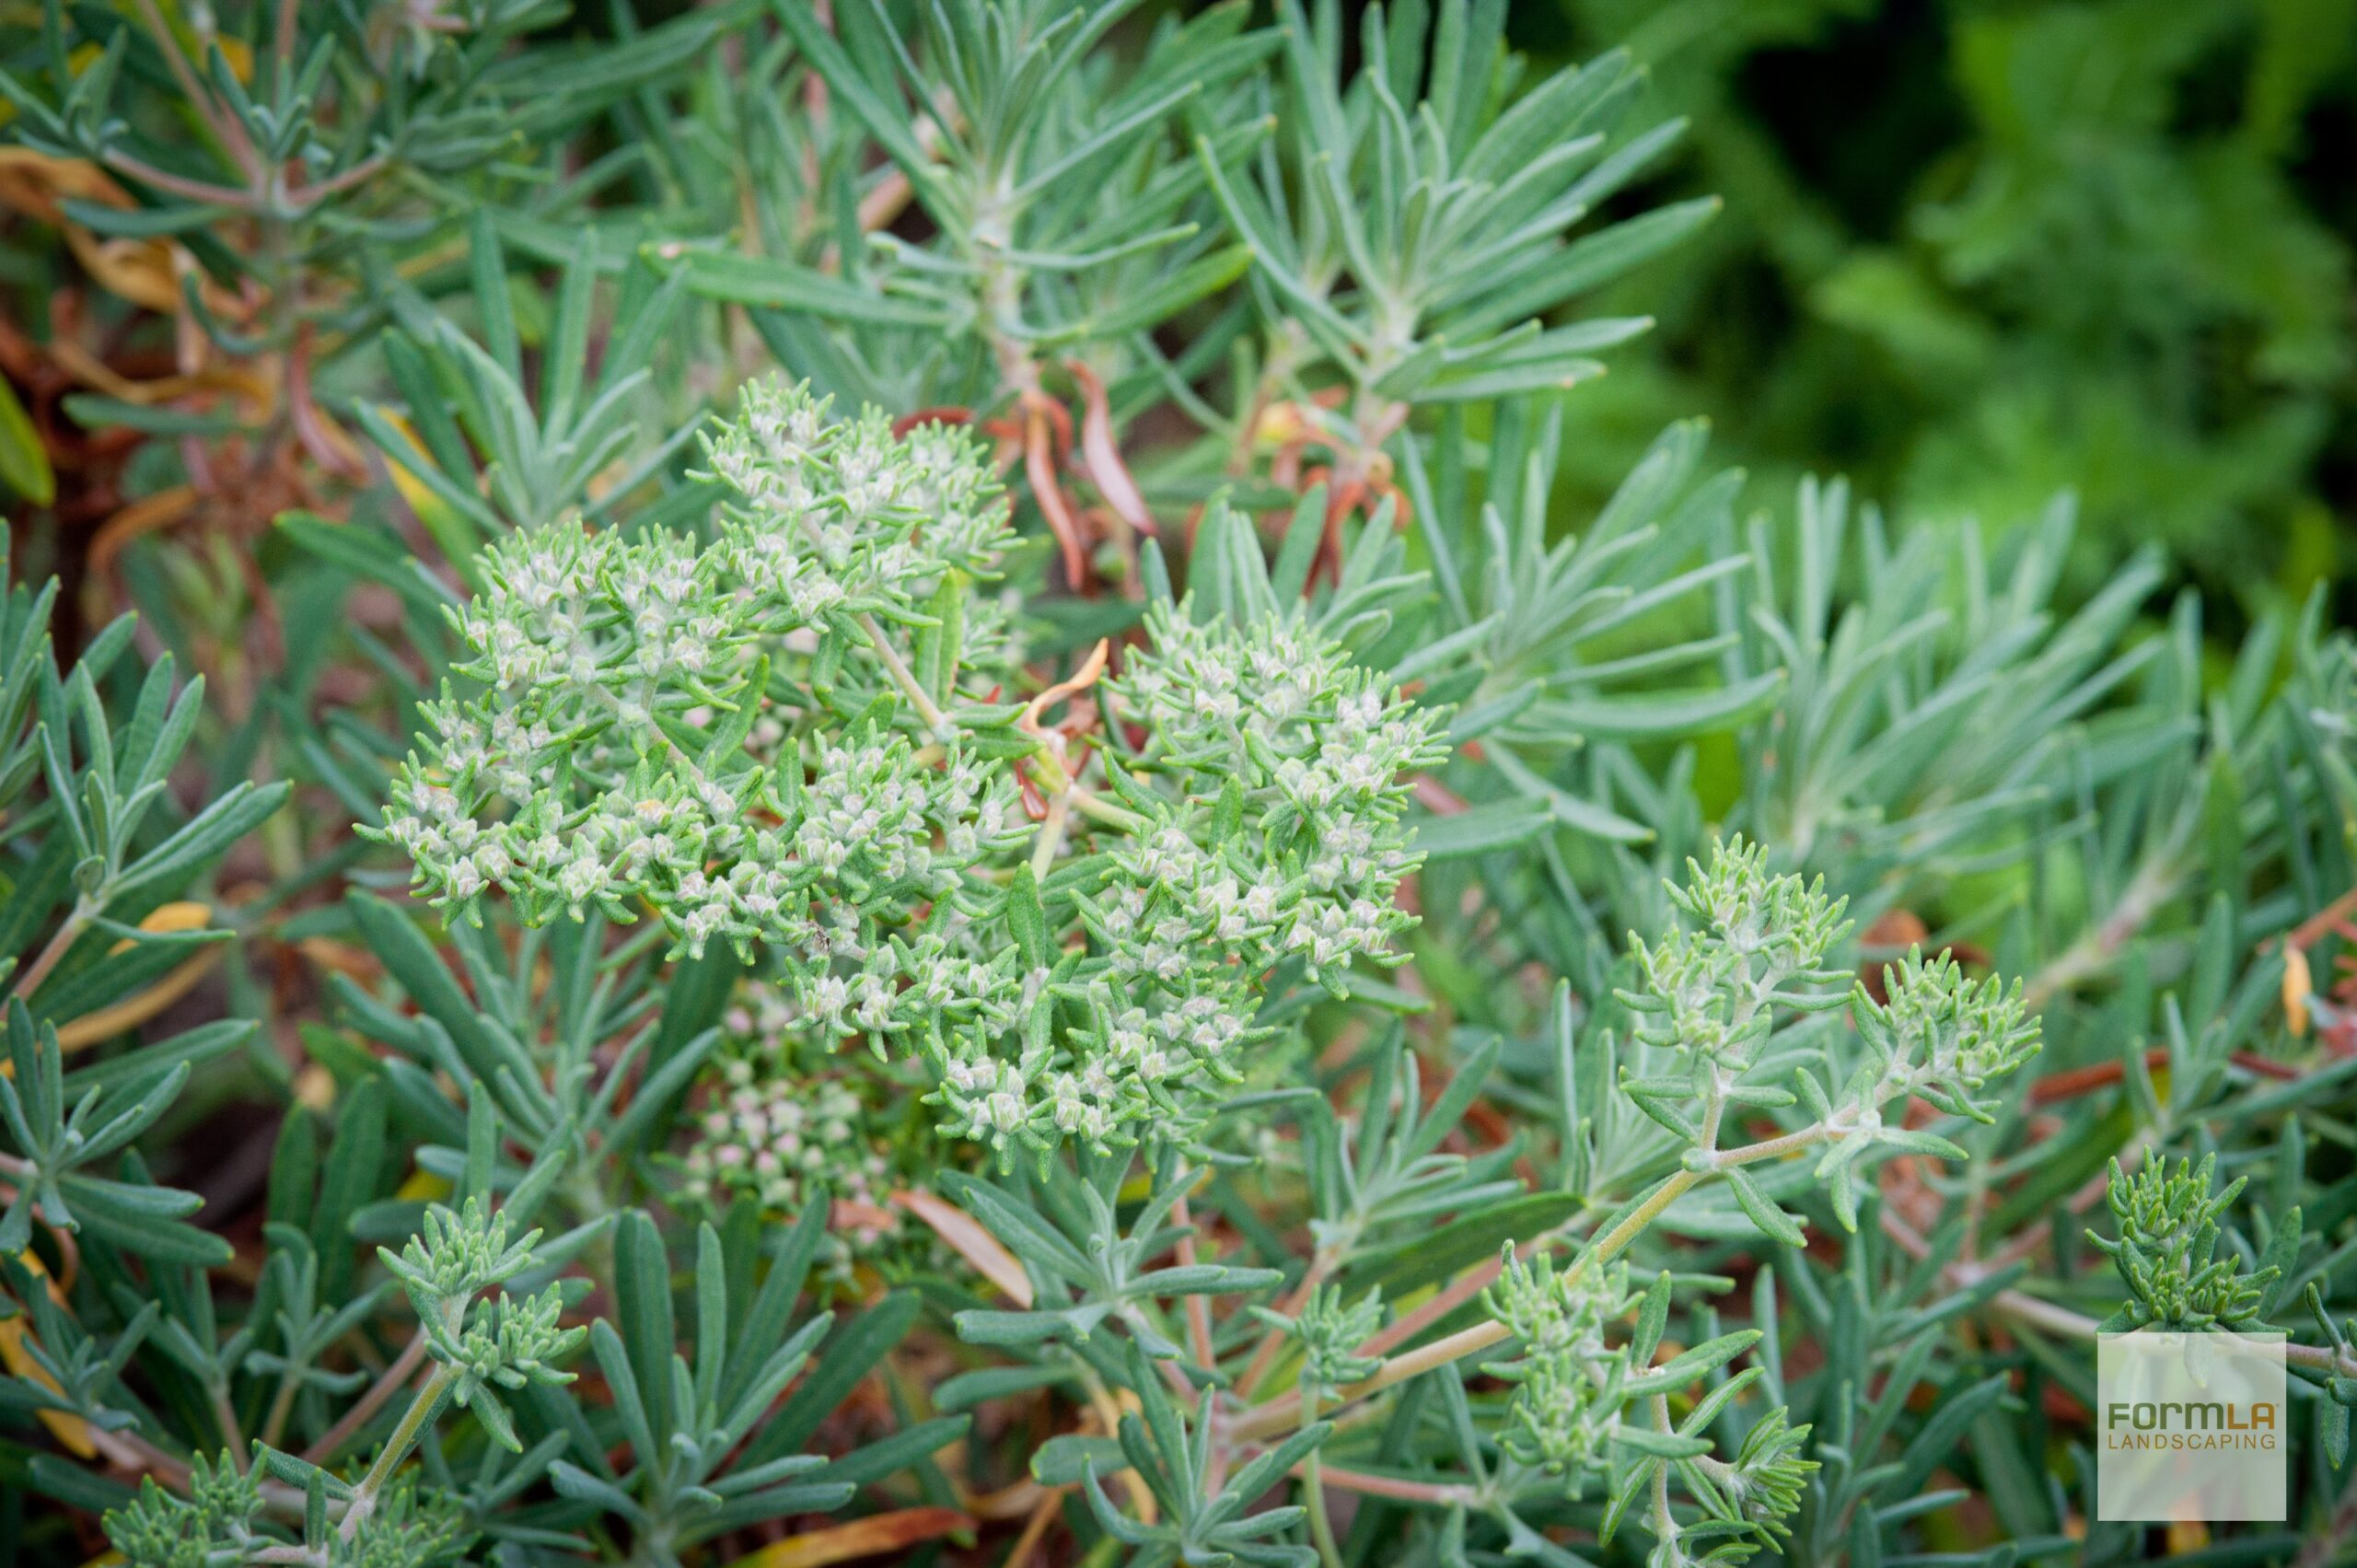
<point x="762" y="854"/>
<point x="786" y="1139"/>
<point x="847" y="513"/>
<point x="642" y="735"/>
<point x="723" y="735"/>
<point x="898" y="986"/>
<point x="775" y="1138"/>
<point x="1113" y="1080"/>
<point x="1316" y="753"/>
<point x="1277" y="702"/>
<point x="1278" y="836"/>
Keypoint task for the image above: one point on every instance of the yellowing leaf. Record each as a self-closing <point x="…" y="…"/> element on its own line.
<point x="430" y="508"/>
<point x="24" y="461"/>
<point x="423" y="1184"/>
<point x="135" y="1010"/>
<point x="71" y="1431"/>
<point x="862" y="1538"/>
<point x="966" y="1237"/>
<point x="168" y="920"/>
<point x="314" y="1086"/>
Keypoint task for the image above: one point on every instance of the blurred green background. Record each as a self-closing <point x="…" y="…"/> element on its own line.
<point x="1974" y="253"/>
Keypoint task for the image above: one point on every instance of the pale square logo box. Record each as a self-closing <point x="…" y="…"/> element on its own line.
<point x="2190" y="1426"/>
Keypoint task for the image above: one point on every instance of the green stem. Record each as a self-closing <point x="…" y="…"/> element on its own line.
<point x="1051" y="834"/>
<point x="1772" y="1148"/>
<point x="1091" y="804"/>
<point x="365" y="1410"/>
<point x="1614" y="1242"/>
<point x="1321" y="1528"/>
<point x="934" y="719"/>
<point x="380" y="1474"/>
<point x="282" y="1408"/>
<point x="68" y="934"/>
<point x="1281" y="1413"/>
<point x="230" y="1433"/>
<point x="1665" y="1523"/>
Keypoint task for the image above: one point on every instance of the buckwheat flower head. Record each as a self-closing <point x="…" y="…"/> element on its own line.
<point x="772" y="1127"/>
<point x="603" y="754"/>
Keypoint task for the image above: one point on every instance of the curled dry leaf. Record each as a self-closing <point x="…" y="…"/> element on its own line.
<point x="895" y="1532"/>
<point x="967" y="1237"/>
<point x="1101" y="458"/>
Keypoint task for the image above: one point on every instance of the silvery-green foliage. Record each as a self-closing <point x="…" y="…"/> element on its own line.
<point x="500" y="1345"/>
<point x="1710" y="1002"/>
<point x="1066" y="218"/>
<point x="1173" y="1004"/>
<point x="1711" y="997"/>
<point x="1421" y="240"/>
<point x="1682" y="1444"/>
<point x="1752" y="943"/>
<point x="777" y="739"/>
<point x="221" y="1522"/>
<point x="485" y="1352"/>
<point x="253" y="1435"/>
<point x="1207" y="1514"/>
<point x="1942" y="1036"/>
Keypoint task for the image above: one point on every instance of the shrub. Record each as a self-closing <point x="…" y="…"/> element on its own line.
<point x="962" y="863"/>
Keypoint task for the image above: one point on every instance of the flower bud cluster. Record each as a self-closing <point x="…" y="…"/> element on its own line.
<point x="495" y="1344"/>
<point x="847" y="513"/>
<point x="1116" y="1077"/>
<point x="780" y="1137"/>
<point x="780" y="1127"/>
<point x="1752" y="941"/>
<point x="1764" y="1484"/>
<point x="1571" y="1379"/>
<point x="1942" y="1035"/>
<point x="219" y="1520"/>
<point x="510" y="1345"/>
<point x="454" y="1254"/>
<point x="1329" y="1332"/>
<point x="1755" y="946"/>
<point x="1267" y="798"/>
<point x="1321" y="749"/>
<point x="222" y="1523"/>
<point x="2169" y="1249"/>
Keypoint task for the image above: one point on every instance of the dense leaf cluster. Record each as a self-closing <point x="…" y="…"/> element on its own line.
<point x="1060" y="904"/>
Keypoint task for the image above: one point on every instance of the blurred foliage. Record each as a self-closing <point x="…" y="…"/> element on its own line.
<point x="1975" y="252"/>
